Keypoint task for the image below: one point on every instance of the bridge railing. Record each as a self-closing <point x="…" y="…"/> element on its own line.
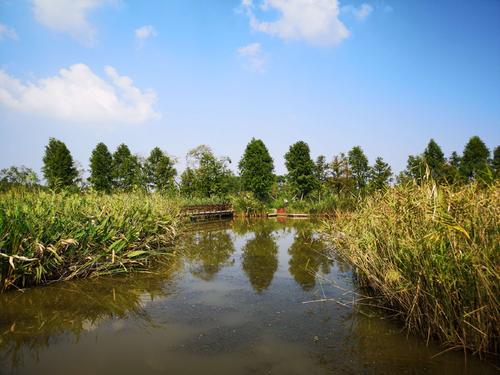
<point x="198" y="208"/>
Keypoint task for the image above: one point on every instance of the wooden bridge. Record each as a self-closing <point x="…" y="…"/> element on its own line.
<point x="208" y="211"/>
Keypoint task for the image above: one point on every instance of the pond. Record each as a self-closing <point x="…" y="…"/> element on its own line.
<point x="232" y="301"/>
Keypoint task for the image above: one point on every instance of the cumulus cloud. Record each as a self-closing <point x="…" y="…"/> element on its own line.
<point x="360" y="13"/>
<point x="78" y="95"/>
<point x="315" y="21"/>
<point x="252" y="57"/>
<point x="68" y="16"/>
<point x="143" y="33"/>
<point x="7" y="32"/>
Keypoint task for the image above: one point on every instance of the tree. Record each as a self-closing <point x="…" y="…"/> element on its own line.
<point x="58" y="167"/>
<point x="380" y="174"/>
<point x="321" y="169"/>
<point x="496" y="162"/>
<point x="474" y="163"/>
<point x="188" y="182"/>
<point x="300" y="169"/>
<point x="434" y="158"/>
<point x="455" y="160"/>
<point x="341" y="174"/>
<point x="210" y="176"/>
<point x="126" y="169"/>
<point x="451" y="168"/>
<point x="256" y="169"/>
<point x="19" y="176"/>
<point x="101" y="168"/>
<point x="358" y="163"/>
<point x="415" y="169"/>
<point x="159" y="171"/>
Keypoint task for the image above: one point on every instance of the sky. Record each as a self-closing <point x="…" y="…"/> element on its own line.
<point x="385" y="75"/>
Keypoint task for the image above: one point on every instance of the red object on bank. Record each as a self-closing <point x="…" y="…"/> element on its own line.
<point x="280" y="211"/>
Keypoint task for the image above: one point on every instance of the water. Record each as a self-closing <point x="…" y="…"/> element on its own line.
<point x="230" y="303"/>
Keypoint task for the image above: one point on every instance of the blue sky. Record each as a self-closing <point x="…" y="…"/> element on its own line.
<point x="386" y="75"/>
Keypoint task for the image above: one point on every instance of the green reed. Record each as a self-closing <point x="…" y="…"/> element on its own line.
<point x="433" y="254"/>
<point x="47" y="236"/>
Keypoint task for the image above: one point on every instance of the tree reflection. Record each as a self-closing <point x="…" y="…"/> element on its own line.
<point x="260" y="257"/>
<point x="307" y="257"/>
<point x="30" y="320"/>
<point x="207" y="252"/>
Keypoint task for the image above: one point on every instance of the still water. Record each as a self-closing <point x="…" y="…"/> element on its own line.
<point x="230" y="302"/>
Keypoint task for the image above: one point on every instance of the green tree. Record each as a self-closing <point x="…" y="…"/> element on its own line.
<point x="455" y="159"/>
<point x="212" y="176"/>
<point x="159" y="171"/>
<point x="341" y="174"/>
<point x="474" y="163"/>
<point x="451" y="168"/>
<point x="415" y="169"/>
<point x="434" y="158"/>
<point x="321" y="169"/>
<point x="126" y="169"/>
<point x="19" y="176"/>
<point x="188" y="182"/>
<point x="358" y="162"/>
<point x="101" y="168"/>
<point x="496" y="162"/>
<point x="300" y="168"/>
<point x="380" y="174"/>
<point x="256" y="169"/>
<point x="58" y="166"/>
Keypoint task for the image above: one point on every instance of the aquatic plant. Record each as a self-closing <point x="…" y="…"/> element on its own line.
<point x="433" y="254"/>
<point x="46" y="236"/>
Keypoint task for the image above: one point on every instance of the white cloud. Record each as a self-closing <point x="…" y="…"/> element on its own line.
<point x="68" y="16"/>
<point x="7" y="32"/>
<point x="78" y="95"/>
<point x="143" y="33"/>
<point x="252" y="56"/>
<point x="360" y="13"/>
<point x="315" y="21"/>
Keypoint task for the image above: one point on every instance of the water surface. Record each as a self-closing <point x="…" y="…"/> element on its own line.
<point x="230" y="302"/>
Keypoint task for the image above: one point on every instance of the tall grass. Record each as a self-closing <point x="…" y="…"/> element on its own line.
<point x="48" y="236"/>
<point x="433" y="254"/>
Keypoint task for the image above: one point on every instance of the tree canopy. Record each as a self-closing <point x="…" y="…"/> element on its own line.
<point x="496" y="162"/>
<point x="19" y="176"/>
<point x="380" y="174"/>
<point x="434" y="158"/>
<point x="256" y="169"/>
<point x="101" y="172"/>
<point x="126" y="169"/>
<point x="58" y="166"/>
<point x="358" y="162"/>
<point x="474" y="162"/>
<point x="159" y="171"/>
<point x="206" y="175"/>
<point x="300" y="168"/>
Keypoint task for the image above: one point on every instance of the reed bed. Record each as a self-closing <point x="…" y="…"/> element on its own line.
<point x="431" y="253"/>
<point x="45" y="236"/>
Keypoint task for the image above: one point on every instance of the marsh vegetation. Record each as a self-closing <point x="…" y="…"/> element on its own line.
<point x="425" y="244"/>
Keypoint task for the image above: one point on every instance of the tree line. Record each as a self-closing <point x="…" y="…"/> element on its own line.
<point x="208" y="176"/>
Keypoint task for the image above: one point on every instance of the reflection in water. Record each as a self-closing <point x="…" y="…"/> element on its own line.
<point x="29" y="320"/>
<point x="307" y="256"/>
<point x="207" y="251"/>
<point x="260" y="258"/>
<point x="170" y="322"/>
